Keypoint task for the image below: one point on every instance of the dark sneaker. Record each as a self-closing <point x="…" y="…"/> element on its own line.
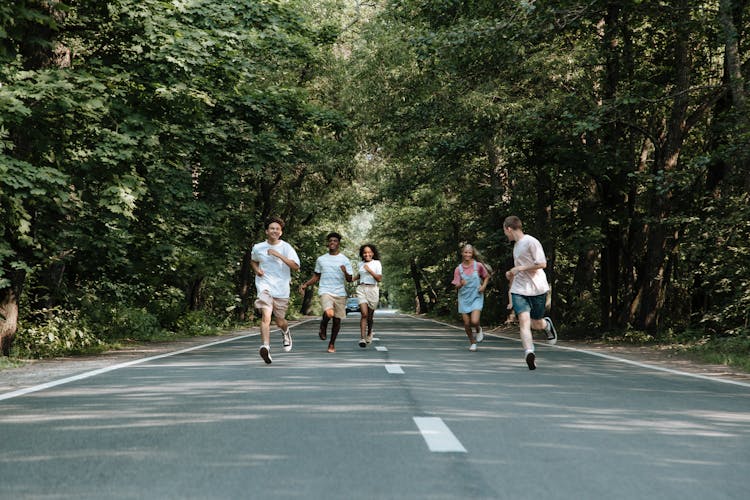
<point x="362" y="343"/>
<point x="322" y="333"/>
<point x="530" y="360"/>
<point x="265" y="353"/>
<point x="287" y="340"/>
<point x="550" y="330"/>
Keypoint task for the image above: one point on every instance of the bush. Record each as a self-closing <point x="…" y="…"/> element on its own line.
<point x="132" y="323"/>
<point x="55" y="333"/>
<point x="194" y="323"/>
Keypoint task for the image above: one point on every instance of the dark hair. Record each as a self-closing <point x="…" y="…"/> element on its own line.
<point x="375" y="254"/>
<point x="333" y="234"/>
<point x="277" y="220"/>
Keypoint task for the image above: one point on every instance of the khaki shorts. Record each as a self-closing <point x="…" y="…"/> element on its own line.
<point x="369" y="294"/>
<point x="338" y="304"/>
<point x="277" y="306"/>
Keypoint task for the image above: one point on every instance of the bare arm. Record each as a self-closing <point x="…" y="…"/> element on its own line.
<point x="315" y="278"/>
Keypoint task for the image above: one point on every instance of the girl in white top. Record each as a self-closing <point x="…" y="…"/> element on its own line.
<point x="368" y="292"/>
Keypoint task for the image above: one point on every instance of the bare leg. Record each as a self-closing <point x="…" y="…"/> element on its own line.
<point x="524" y="324"/>
<point x="475" y="315"/>
<point x="370" y="320"/>
<point x="467" y="327"/>
<point x="323" y="326"/>
<point x="335" y="330"/>
<point x="265" y="327"/>
<point x="363" y="320"/>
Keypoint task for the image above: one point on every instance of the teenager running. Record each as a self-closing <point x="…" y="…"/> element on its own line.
<point x="332" y="270"/>
<point x="368" y="292"/>
<point x="528" y="287"/>
<point x="470" y="279"/>
<point x="273" y="260"/>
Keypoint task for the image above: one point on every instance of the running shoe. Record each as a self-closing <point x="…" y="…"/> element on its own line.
<point x="473" y="347"/>
<point x="287" y="340"/>
<point x="530" y="360"/>
<point x="480" y="335"/>
<point x="362" y="343"/>
<point x="322" y="333"/>
<point x="265" y="353"/>
<point x="368" y="339"/>
<point x="331" y="348"/>
<point x="551" y="332"/>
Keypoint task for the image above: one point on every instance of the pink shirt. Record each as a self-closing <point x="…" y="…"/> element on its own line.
<point x="468" y="271"/>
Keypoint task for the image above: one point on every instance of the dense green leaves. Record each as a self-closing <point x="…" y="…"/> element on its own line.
<point x="142" y="143"/>
<point x="145" y="141"/>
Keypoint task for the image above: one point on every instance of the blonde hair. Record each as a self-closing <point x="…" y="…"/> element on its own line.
<point x="477" y="255"/>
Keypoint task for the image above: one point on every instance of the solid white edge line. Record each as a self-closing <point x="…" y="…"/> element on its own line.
<point x="611" y="358"/>
<point x="438" y="436"/>
<point x="93" y="373"/>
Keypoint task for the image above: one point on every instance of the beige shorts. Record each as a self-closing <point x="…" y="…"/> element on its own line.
<point x="338" y="304"/>
<point x="277" y="306"/>
<point x="368" y="294"/>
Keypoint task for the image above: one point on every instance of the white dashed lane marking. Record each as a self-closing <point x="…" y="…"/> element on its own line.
<point x="438" y="436"/>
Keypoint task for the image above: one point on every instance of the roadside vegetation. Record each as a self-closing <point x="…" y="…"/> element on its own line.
<point x="144" y="142"/>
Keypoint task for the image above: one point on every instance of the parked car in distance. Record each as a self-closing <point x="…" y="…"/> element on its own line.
<point x="352" y="305"/>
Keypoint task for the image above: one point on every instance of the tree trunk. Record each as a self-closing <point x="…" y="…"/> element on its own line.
<point x="9" y="311"/>
<point x="246" y="285"/>
<point x="654" y="281"/>
<point x="307" y="301"/>
<point x="194" y="296"/>
<point x="422" y="305"/>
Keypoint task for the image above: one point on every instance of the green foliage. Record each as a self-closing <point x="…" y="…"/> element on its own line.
<point x="55" y="333"/>
<point x="731" y="351"/>
<point x="135" y="174"/>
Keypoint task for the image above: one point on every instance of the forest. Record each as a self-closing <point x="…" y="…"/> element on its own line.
<point x="144" y="142"/>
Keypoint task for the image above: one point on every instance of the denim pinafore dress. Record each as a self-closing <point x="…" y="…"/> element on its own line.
<point x="469" y="297"/>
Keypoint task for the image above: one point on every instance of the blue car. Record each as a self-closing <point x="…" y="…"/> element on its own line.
<point x="352" y="305"/>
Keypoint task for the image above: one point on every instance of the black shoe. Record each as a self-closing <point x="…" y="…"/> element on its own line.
<point x="265" y="353"/>
<point x="530" y="357"/>
<point x="322" y="333"/>
<point x="551" y="332"/>
<point x="362" y="343"/>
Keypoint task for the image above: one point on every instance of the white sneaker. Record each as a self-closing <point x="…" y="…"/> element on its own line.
<point x="473" y="347"/>
<point x="265" y="353"/>
<point x="551" y="331"/>
<point x="287" y="340"/>
<point x="480" y="335"/>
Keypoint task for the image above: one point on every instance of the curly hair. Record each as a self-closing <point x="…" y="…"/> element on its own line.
<point x="375" y="254"/>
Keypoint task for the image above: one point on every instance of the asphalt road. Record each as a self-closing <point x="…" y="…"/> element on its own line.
<point x="414" y="416"/>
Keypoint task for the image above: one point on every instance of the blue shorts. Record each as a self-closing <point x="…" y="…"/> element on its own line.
<point x="534" y="305"/>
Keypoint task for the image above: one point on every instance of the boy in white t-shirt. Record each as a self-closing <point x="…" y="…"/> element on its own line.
<point x="528" y="287"/>
<point x="332" y="270"/>
<point x="273" y="260"/>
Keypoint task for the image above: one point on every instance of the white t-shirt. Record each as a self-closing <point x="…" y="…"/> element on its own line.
<point x="366" y="278"/>
<point x="276" y="274"/>
<point x="332" y="280"/>
<point x="528" y="251"/>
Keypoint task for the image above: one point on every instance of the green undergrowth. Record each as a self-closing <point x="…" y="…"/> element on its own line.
<point x="68" y="333"/>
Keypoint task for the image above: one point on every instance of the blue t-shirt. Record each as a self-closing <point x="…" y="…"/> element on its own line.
<point x="332" y="279"/>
